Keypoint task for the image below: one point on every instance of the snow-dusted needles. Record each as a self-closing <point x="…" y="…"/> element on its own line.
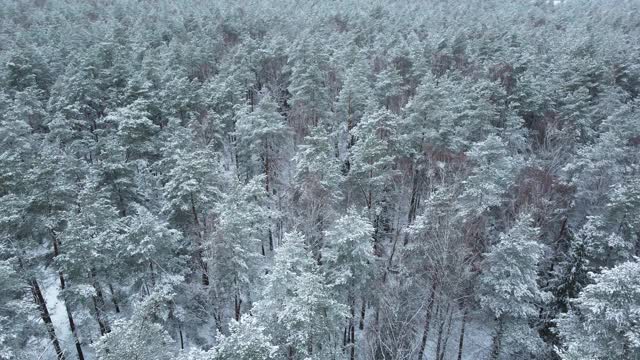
<point x="319" y="180"/>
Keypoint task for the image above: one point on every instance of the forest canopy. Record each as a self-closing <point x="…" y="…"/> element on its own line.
<point x="316" y="180"/>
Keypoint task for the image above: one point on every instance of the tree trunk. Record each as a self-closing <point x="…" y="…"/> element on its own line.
<point x="363" y="310"/>
<point x="377" y="248"/>
<point x="152" y="272"/>
<point x="440" y="331"/>
<point x="414" y="202"/>
<point x="205" y="274"/>
<point x="446" y="337"/>
<point x="352" y="333"/>
<point x="427" y="321"/>
<point x="497" y="339"/>
<point x="98" y="306"/>
<point x="393" y="252"/>
<point x="199" y="257"/>
<point x="267" y="168"/>
<point x="461" y="339"/>
<point x="237" y="307"/>
<point x="350" y="138"/>
<point x="114" y="298"/>
<point x="74" y="331"/>
<point x="344" y="338"/>
<point x="40" y="301"/>
<point x="72" y="324"/>
<point x="415" y="197"/>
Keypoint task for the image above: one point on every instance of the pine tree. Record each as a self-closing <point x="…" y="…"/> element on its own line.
<point x="352" y="103"/>
<point x="136" y="132"/>
<point x="389" y="88"/>
<point x="603" y="321"/>
<point x="310" y="100"/>
<point x="318" y="181"/>
<point x="247" y="340"/>
<point x="509" y="290"/>
<point x="149" y="250"/>
<point x="259" y="134"/>
<point x="242" y="224"/>
<point x="90" y="254"/>
<point x="373" y="155"/>
<point x="21" y="224"/>
<point x="494" y="172"/>
<point x="146" y="164"/>
<point x="349" y="262"/>
<point x="191" y="183"/>
<point x="135" y="339"/>
<point x="296" y="304"/>
<point x="15" y="315"/>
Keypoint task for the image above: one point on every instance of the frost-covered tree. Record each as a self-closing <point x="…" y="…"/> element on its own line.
<point x="310" y="102"/>
<point x="509" y="290"/>
<point x="135" y="339"/>
<point x="191" y="184"/>
<point x="349" y="262"/>
<point x="150" y="250"/>
<point x="318" y="181"/>
<point x="247" y="340"/>
<point x="373" y="155"/>
<point x="259" y="134"/>
<point x="603" y="321"/>
<point x="189" y="179"/>
<point x="15" y="316"/>
<point x="89" y="257"/>
<point x="353" y="101"/>
<point x="347" y="254"/>
<point x="236" y="249"/>
<point x="296" y="305"/>
<point x="494" y="172"/>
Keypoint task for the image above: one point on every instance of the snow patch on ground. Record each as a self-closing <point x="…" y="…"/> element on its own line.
<point x="51" y="292"/>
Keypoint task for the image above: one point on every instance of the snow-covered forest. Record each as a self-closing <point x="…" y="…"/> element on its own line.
<point x="319" y="180"/>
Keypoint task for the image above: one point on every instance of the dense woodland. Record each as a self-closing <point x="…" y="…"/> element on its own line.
<point x="315" y="180"/>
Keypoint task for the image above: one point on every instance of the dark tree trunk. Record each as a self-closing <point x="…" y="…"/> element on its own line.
<point x="344" y="337"/>
<point x="461" y="339"/>
<point x="440" y="332"/>
<point x="152" y="272"/>
<point x="270" y="240"/>
<point x="447" y="335"/>
<point x="181" y="338"/>
<point x="267" y="168"/>
<point x="237" y="307"/>
<point x="199" y="258"/>
<point x="72" y="324"/>
<point x="98" y="306"/>
<point x="40" y="301"/>
<point x="363" y="310"/>
<point x="427" y="321"/>
<point x="415" y="196"/>
<point x="74" y="331"/>
<point x="205" y="274"/>
<point x="114" y="299"/>
<point x="104" y="328"/>
<point x="352" y="332"/>
<point x="497" y="340"/>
